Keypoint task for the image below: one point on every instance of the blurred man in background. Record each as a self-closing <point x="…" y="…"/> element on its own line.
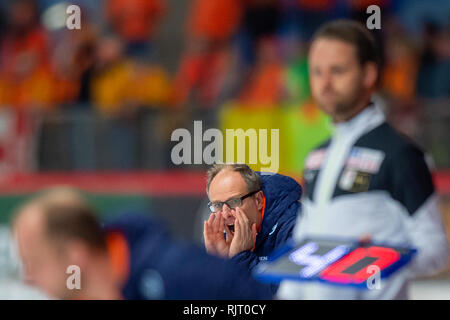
<point x="257" y="212"/>
<point x="367" y="180"/>
<point x="130" y="257"/>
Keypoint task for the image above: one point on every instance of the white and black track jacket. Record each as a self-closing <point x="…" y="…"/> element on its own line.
<point x="370" y="180"/>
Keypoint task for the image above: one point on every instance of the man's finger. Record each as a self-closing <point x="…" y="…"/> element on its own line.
<point x="237" y="226"/>
<point x="216" y="223"/>
<point x="209" y="222"/>
<point x="221" y="224"/>
<point x="206" y="233"/>
<point x="243" y="216"/>
<point x="245" y="223"/>
<point x="208" y="243"/>
<point x="205" y="229"/>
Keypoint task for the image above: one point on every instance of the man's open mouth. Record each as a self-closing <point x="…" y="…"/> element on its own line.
<point x="231" y="228"/>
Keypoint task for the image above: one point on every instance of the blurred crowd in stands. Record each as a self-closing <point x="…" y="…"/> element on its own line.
<point x="252" y="53"/>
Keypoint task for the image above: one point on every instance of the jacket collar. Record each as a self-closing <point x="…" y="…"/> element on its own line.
<point x="369" y="118"/>
<point x="280" y="192"/>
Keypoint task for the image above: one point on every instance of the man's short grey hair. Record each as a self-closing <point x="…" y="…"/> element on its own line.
<point x="253" y="181"/>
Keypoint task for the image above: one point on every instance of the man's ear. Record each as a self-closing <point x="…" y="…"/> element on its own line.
<point x="259" y="199"/>
<point x="370" y="75"/>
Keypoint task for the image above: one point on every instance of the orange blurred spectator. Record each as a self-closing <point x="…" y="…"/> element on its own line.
<point x="25" y="67"/>
<point x="73" y="62"/>
<point x="205" y="62"/>
<point x="400" y="71"/>
<point x="214" y="19"/>
<point x="135" y="20"/>
<point x="204" y="74"/>
<point x="265" y="87"/>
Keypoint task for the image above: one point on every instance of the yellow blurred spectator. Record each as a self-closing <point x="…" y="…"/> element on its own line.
<point x="127" y="82"/>
<point x="123" y="82"/>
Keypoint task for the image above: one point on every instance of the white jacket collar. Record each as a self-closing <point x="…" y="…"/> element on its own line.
<point x="369" y="118"/>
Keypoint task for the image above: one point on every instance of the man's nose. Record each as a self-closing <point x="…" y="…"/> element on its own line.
<point x="226" y="211"/>
<point x="326" y="82"/>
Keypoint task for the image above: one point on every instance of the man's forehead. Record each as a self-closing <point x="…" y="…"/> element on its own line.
<point x="29" y="215"/>
<point x="227" y="182"/>
<point x="331" y="49"/>
<point x="29" y="222"/>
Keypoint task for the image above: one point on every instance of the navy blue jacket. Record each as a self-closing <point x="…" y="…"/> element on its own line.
<point x="161" y="268"/>
<point x="282" y="195"/>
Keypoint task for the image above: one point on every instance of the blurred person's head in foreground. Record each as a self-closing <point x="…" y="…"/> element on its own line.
<point x="129" y="257"/>
<point x="343" y="66"/>
<point x="58" y="229"/>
